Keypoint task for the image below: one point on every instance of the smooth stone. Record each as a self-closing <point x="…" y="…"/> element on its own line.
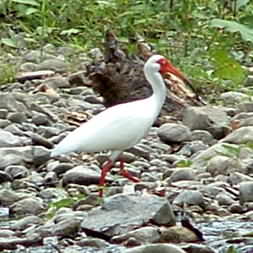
<point x="211" y="118"/>
<point x="246" y="192"/>
<point x="171" y="132"/>
<point x="190" y="197"/>
<point x="242" y="135"/>
<point x="234" y="98"/>
<point x="26" y="222"/>
<point x="141" y="235"/>
<point x="81" y="175"/>
<point x="56" y="65"/>
<point x="182" y="174"/>
<point x="17" y="117"/>
<point x="17" y="171"/>
<point x="28" y="206"/>
<point x="8" y="139"/>
<point x="156" y="248"/>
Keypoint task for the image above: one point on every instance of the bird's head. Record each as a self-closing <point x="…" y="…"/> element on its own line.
<point x="165" y="67"/>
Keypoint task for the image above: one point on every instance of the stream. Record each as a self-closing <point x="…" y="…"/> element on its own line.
<point x="220" y="235"/>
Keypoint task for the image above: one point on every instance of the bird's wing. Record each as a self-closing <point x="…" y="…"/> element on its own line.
<point x="116" y="128"/>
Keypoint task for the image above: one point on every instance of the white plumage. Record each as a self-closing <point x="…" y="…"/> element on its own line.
<point x="122" y="126"/>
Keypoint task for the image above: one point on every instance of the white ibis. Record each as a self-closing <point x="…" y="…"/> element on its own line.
<point x="122" y="126"/>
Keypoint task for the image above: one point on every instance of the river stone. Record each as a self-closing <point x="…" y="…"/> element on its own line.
<point x="8" y="139"/>
<point x="8" y="197"/>
<point x="56" y="65"/>
<point x="53" y="194"/>
<point x="141" y="235"/>
<point x="223" y="165"/>
<point x="92" y="242"/>
<point x="211" y="118"/>
<point x="202" y="135"/>
<point x="119" y="213"/>
<point x="177" y="234"/>
<point x="242" y="135"/>
<point x="26" y="222"/>
<point x="182" y="174"/>
<point x="9" y="101"/>
<point x="67" y="228"/>
<point x="197" y="248"/>
<point x="224" y="199"/>
<point x="156" y="248"/>
<point x="17" y="171"/>
<point x="234" y="98"/>
<point x="246" y="192"/>
<point x="81" y="175"/>
<point x="201" y="160"/>
<point x="190" y="197"/>
<point x="237" y="177"/>
<point x="28" y="206"/>
<point x="17" y="117"/>
<point x="15" y="156"/>
<point x="171" y="132"/>
<point x="164" y="216"/>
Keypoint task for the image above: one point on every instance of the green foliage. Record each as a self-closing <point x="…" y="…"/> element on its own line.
<point x="7" y="73"/>
<point x="229" y="150"/>
<point x="203" y="37"/>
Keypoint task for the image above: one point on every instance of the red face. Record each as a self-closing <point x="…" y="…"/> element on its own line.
<point x="167" y="67"/>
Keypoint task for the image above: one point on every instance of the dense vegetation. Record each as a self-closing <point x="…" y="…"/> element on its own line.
<point x="210" y="40"/>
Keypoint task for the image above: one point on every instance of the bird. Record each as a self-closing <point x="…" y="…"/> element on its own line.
<point x="121" y="126"/>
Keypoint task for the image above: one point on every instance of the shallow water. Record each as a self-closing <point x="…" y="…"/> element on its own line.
<point x="220" y="235"/>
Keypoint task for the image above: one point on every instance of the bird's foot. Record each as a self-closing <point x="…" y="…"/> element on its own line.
<point x="129" y="176"/>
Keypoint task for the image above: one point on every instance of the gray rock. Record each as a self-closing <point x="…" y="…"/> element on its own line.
<point x="234" y="98"/>
<point x="40" y="119"/>
<point x="225" y="199"/>
<point x="223" y="165"/>
<point x="81" y="175"/>
<point x="141" y="235"/>
<point x="28" y="206"/>
<point x="17" y="117"/>
<point x="182" y="174"/>
<point x="156" y="248"/>
<point x="246" y="192"/>
<point x="245" y="107"/>
<point x="92" y="242"/>
<point x="213" y="119"/>
<point x="53" y="194"/>
<point x="40" y="155"/>
<point x="120" y="212"/>
<point x="56" y="65"/>
<point x="171" y="132"/>
<point x="17" y="171"/>
<point x="237" y="177"/>
<point x="8" y="139"/>
<point x="197" y="248"/>
<point x="242" y="135"/>
<point x="190" y="197"/>
<point x="192" y="147"/>
<point x="204" y="136"/>
<point x="15" y="156"/>
<point x="8" y="197"/>
<point x="26" y="222"/>
<point x="67" y="227"/>
<point x="164" y="216"/>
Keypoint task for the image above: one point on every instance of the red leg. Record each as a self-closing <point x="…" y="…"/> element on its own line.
<point x="104" y="172"/>
<point x="126" y="174"/>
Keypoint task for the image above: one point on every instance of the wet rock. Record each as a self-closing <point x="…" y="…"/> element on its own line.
<point x="81" y="175"/>
<point x="157" y="248"/>
<point x="28" y="206"/>
<point x="120" y="212"/>
<point x="190" y="197"/>
<point x="213" y="119"/>
<point x="67" y="228"/>
<point x="246" y="192"/>
<point x="92" y="242"/>
<point x="171" y="132"/>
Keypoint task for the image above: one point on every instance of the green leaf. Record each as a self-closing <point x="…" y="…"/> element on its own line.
<point x="27" y="2"/>
<point x="232" y="26"/>
<point x="70" y="31"/>
<point x="30" y="11"/>
<point x="226" y="67"/>
<point x="229" y="150"/>
<point x="241" y="3"/>
<point x="9" y="42"/>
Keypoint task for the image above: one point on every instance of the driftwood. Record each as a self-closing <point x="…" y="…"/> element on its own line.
<point x="119" y="78"/>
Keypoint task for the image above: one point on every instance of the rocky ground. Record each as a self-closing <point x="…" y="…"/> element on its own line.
<point x="195" y="170"/>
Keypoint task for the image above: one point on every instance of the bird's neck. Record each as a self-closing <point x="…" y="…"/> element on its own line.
<point x="159" y="89"/>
